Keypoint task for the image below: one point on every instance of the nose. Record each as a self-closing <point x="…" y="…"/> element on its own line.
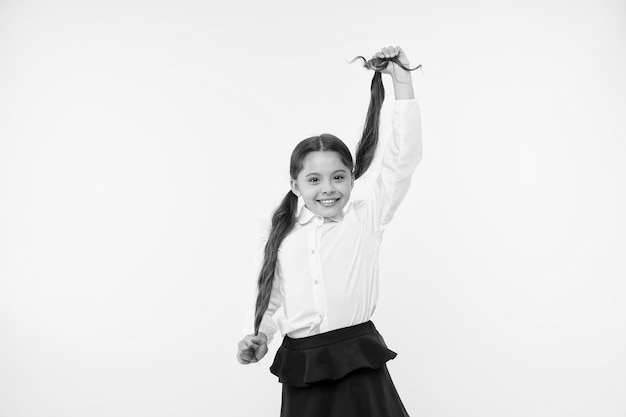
<point x="328" y="190"/>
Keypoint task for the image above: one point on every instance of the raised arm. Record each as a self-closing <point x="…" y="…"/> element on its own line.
<point x="403" y="151"/>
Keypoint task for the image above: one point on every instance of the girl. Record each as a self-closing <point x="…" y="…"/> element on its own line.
<point x="318" y="283"/>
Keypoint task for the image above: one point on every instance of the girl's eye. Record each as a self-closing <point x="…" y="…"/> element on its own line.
<point x="313" y="179"/>
<point x="339" y="177"/>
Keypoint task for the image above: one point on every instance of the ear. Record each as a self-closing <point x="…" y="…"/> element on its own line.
<point x="295" y="189"/>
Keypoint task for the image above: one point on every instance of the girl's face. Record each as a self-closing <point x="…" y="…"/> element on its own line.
<point x="324" y="183"/>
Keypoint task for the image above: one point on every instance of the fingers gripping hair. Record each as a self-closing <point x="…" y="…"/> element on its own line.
<point x="379" y="64"/>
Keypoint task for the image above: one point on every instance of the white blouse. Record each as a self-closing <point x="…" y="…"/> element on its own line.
<point x="327" y="273"/>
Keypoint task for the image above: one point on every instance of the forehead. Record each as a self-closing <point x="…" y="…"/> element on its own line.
<point x="322" y="161"/>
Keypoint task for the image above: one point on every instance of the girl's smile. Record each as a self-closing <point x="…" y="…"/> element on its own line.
<point x="329" y="202"/>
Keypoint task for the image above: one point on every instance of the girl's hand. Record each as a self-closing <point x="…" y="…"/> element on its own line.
<point x="391" y="52"/>
<point x="252" y="348"/>
<point x="402" y="82"/>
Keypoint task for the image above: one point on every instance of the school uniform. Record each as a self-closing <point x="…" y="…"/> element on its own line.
<point x="332" y="361"/>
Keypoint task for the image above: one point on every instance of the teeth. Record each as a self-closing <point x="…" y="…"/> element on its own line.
<point x="327" y="202"/>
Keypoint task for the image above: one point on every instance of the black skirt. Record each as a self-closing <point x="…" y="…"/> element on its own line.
<point x="341" y="373"/>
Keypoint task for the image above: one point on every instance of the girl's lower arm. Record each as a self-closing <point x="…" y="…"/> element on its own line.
<point x="402" y="84"/>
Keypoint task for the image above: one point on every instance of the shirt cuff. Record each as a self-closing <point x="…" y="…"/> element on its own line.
<point x="268" y="329"/>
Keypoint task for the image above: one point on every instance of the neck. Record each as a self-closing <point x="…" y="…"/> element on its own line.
<point x="337" y="218"/>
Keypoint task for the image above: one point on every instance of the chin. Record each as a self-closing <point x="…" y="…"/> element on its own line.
<point x="334" y="212"/>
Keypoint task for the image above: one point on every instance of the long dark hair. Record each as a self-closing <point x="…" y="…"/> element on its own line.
<point x="283" y="218"/>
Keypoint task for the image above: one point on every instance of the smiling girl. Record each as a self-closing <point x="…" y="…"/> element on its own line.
<point x="318" y="284"/>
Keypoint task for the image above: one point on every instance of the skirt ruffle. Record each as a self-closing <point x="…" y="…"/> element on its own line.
<point x="331" y="355"/>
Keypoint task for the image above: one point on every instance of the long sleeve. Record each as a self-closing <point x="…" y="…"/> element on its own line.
<point x="400" y="158"/>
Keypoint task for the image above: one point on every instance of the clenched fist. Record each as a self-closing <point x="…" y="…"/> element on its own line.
<point x="252" y="348"/>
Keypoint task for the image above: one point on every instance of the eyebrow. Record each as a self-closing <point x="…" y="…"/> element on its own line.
<point x="319" y="175"/>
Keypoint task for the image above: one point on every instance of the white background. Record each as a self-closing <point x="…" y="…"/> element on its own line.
<point x="142" y="143"/>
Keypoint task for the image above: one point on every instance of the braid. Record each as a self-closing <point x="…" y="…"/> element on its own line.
<point x="369" y="140"/>
<point x="282" y="223"/>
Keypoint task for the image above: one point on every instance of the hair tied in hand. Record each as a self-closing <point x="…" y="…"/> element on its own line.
<point x="379" y="64"/>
